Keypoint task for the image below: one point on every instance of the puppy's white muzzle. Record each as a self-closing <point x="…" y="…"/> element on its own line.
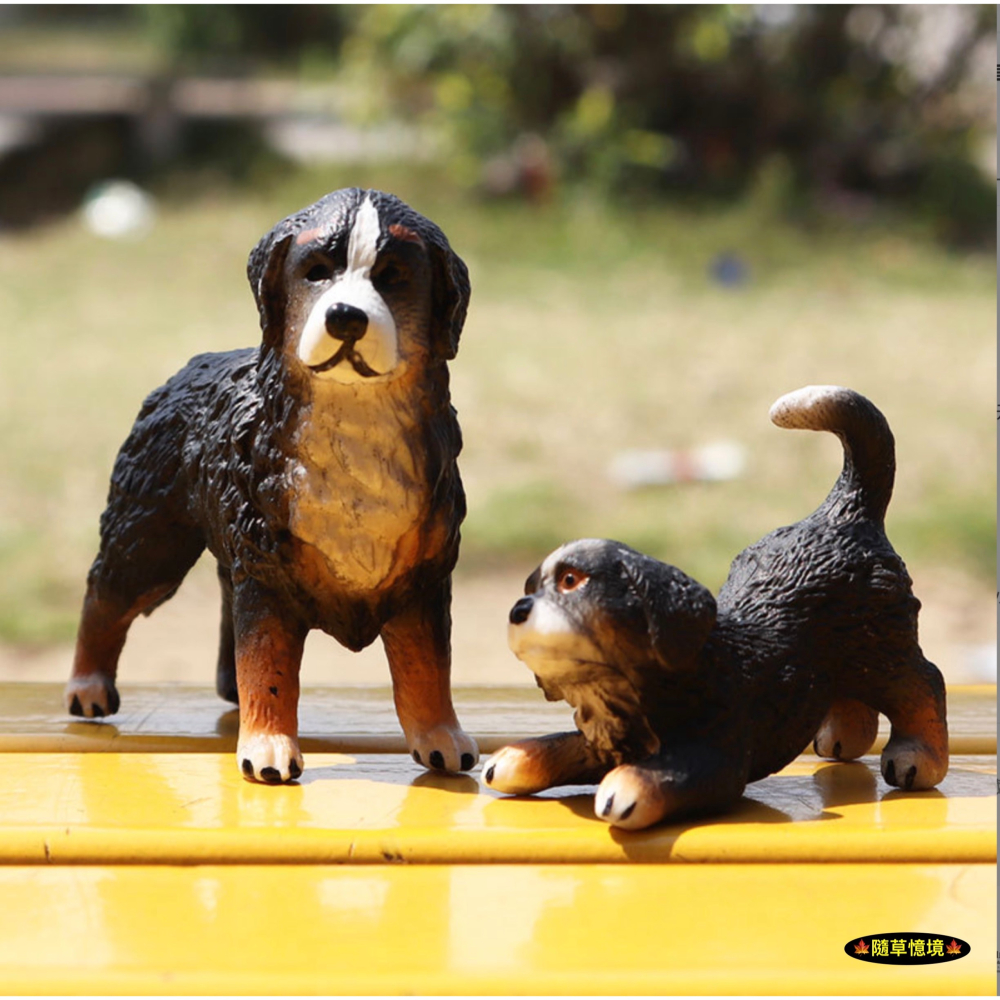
<point x="549" y="643"/>
<point x="377" y="348"/>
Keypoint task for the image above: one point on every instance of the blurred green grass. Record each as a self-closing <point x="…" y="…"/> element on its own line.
<point x="592" y="328"/>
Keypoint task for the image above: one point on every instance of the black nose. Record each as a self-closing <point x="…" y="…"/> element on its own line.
<point x="519" y="613"/>
<point x="344" y="322"/>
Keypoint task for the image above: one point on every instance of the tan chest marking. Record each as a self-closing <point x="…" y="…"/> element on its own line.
<point x="358" y="489"/>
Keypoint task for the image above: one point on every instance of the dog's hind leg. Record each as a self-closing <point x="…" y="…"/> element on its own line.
<point x="225" y="671"/>
<point x="913" y="697"/>
<point x="418" y="646"/>
<point x="848" y="731"/>
<point x="142" y="562"/>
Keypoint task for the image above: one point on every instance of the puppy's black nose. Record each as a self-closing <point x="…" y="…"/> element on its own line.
<point x="519" y="613"/>
<point x="345" y="322"/>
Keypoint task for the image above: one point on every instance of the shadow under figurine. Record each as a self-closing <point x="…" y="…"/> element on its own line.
<point x="320" y="471"/>
<point x="681" y="700"/>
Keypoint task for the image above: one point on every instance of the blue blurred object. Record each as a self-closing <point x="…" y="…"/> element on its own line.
<point x="729" y="269"/>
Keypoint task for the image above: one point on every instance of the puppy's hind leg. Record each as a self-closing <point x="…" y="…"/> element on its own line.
<point x="848" y="731"/>
<point x="913" y="697"/>
<point x="104" y="624"/>
<point x="418" y="646"/>
<point x="225" y="670"/>
<point x="138" y="568"/>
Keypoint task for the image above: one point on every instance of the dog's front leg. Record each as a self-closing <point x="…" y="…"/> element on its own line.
<point x="269" y="643"/>
<point x="545" y="762"/>
<point x="418" y="646"/>
<point x="675" y="783"/>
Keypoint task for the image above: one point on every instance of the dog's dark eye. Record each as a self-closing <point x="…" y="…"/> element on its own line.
<point x="390" y="275"/>
<point x="570" y="579"/>
<point x="319" y="272"/>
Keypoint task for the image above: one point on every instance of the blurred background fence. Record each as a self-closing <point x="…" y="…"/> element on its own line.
<point x="672" y="215"/>
<point x="839" y="108"/>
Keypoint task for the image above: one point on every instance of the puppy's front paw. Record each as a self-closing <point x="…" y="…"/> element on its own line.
<point x="513" y="771"/>
<point x="92" y="697"/>
<point x="269" y="757"/>
<point x="445" y="748"/>
<point x="630" y="799"/>
<point x="911" y="764"/>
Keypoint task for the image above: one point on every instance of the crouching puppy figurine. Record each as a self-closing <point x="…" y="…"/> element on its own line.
<point x="681" y="700"/>
<point x="320" y="471"/>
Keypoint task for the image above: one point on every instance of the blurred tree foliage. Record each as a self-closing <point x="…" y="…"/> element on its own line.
<point x="828" y="104"/>
<point x="821" y="105"/>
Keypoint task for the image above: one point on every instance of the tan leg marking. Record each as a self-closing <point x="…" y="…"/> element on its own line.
<point x="848" y="731"/>
<point x="418" y="649"/>
<point x="916" y="756"/>
<point x="534" y="765"/>
<point x="268" y="656"/>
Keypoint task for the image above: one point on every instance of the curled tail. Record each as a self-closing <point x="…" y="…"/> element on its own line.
<point x="865" y="484"/>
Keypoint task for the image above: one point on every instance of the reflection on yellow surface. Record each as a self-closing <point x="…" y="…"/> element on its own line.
<point x="198" y="808"/>
<point x="522" y="928"/>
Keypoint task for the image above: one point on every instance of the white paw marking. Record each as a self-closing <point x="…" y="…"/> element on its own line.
<point x="269" y="757"/>
<point x="909" y="764"/>
<point x="625" y="800"/>
<point x="444" y="748"/>
<point x="92" y="697"/>
<point x="508" y="771"/>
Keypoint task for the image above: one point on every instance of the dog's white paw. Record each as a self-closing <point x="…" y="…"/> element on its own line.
<point x="510" y="770"/>
<point x="93" y="696"/>
<point x="629" y="799"/>
<point x="910" y="764"/>
<point x="269" y="757"/>
<point x="445" y="748"/>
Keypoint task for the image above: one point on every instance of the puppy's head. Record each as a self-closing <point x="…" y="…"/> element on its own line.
<point x="357" y="287"/>
<point x="596" y="604"/>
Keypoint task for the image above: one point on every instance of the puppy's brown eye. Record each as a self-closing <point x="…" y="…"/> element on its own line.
<point x="390" y="275"/>
<point x="570" y="579"/>
<point x="319" y="272"/>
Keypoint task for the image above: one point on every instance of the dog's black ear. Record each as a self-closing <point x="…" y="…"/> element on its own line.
<point x="265" y="272"/>
<point x="680" y="612"/>
<point x="450" y="301"/>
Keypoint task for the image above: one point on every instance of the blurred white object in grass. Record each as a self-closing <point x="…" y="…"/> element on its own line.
<point x="714" y="462"/>
<point x="979" y="665"/>
<point x="118" y="210"/>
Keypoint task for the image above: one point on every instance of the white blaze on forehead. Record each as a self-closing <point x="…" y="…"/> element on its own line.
<point x="361" y="247"/>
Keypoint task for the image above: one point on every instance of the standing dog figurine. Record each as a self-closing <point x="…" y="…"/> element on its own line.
<point x="680" y="701"/>
<point x="319" y="470"/>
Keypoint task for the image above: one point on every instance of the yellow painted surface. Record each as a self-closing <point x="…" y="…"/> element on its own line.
<point x="168" y="718"/>
<point x="487" y="929"/>
<point x="177" y="808"/>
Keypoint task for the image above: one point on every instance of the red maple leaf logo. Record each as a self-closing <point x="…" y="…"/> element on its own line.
<point x="861" y="948"/>
<point x="954" y="948"/>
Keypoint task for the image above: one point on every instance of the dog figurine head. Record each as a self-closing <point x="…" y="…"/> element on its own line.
<point x="356" y="287"/>
<point x="601" y="622"/>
